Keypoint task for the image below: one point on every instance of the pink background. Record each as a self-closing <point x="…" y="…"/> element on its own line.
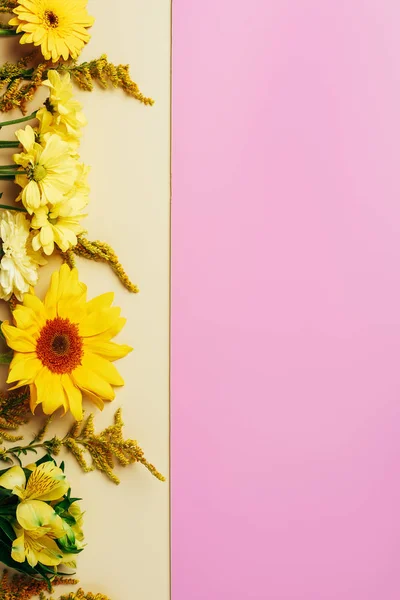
<point x="286" y="300"/>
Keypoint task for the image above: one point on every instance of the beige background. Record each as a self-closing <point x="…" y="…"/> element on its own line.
<point x="128" y="147"/>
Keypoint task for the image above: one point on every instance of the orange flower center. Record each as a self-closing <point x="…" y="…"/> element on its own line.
<point x="60" y="347"/>
<point x="50" y="19"/>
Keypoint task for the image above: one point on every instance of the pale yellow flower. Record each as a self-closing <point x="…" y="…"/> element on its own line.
<point x="58" y="225"/>
<point x="50" y="171"/>
<point x="61" y="224"/>
<point x="63" y="348"/>
<point x="59" y="27"/>
<point x="62" y="114"/>
<point x="19" y="263"/>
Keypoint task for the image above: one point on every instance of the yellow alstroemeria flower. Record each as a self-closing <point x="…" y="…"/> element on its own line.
<point x="47" y="482"/>
<point x="63" y="348"/>
<point x="50" y="171"/>
<point x="37" y="528"/>
<point x="38" y="525"/>
<point x="62" y="114"/>
<point x="59" y="27"/>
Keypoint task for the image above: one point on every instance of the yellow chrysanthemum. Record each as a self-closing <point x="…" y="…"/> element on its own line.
<point x="59" y="27"/>
<point x="63" y="346"/>
<point x="62" y="114"/>
<point x="59" y="225"/>
<point x="50" y="171"/>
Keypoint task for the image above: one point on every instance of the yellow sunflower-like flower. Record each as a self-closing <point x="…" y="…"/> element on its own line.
<point x="50" y="171"/>
<point x="59" y="27"/>
<point x="62" y="346"/>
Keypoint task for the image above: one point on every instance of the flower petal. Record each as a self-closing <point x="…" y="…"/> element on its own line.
<point x="100" y="302"/>
<point x="18" y="549"/>
<point x="74" y="396"/>
<point x="99" y="321"/>
<point x="18" y="339"/>
<point x="102" y="367"/>
<point x="86" y="379"/>
<point x="24" y="367"/>
<point x="107" y="350"/>
<point x="32" y="514"/>
<point x="50" y="393"/>
<point x="14" y="477"/>
<point x="47" y="482"/>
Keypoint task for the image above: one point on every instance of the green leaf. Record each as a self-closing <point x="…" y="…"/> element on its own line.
<point x="5" y="557"/>
<point x="17" y="458"/>
<point x="6" y="358"/>
<point x="45" y="458"/>
<point x="6" y="526"/>
<point x="9" y="510"/>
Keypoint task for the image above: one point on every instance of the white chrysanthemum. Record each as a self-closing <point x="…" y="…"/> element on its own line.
<point x="19" y="264"/>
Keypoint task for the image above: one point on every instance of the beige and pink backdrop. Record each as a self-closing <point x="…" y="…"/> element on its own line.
<point x="128" y="147"/>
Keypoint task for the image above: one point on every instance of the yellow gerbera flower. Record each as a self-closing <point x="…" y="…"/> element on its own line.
<point x="50" y="171"/>
<point x="59" y="27"/>
<point x="63" y="346"/>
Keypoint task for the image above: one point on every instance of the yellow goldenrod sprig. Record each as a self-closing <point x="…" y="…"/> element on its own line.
<point x="7" y="6"/>
<point x="21" y="81"/>
<point x="18" y="94"/>
<point x="22" y="587"/>
<point x="69" y="258"/>
<point x="106" y="73"/>
<point x="105" y="448"/>
<point x="81" y="595"/>
<point x="102" y="252"/>
<point x="14" y="412"/>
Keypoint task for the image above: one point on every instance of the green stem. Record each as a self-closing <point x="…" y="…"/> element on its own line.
<point x="17" y="208"/>
<point x="20" y="120"/>
<point x="8" y="32"/>
<point x="9" y="167"/>
<point x="9" y="144"/>
<point x="8" y="176"/>
<point x="17" y="449"/>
